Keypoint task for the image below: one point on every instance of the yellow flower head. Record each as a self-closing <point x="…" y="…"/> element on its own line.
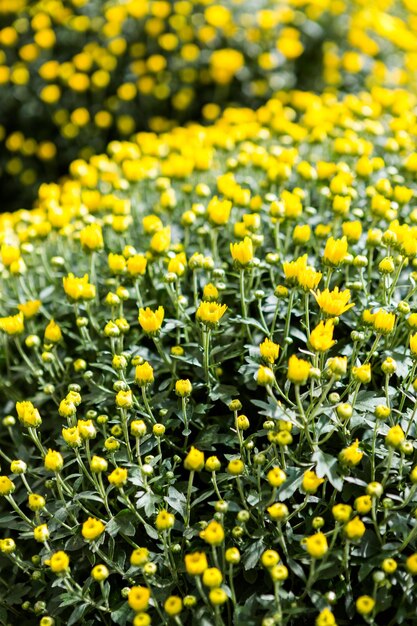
<point x="276" y="476"/>
<point x="213" y="534"/>
<point x="265" y="376"/>
<point x="138" y="598"/>
<point x="161" y="240"/>
<point x="183" y="388"/>
<point x="9" y="254"/>
<point x="30" y="308"/>
<point x="92" y="528"/>
<point x="334" y="302"/>
<point x="278" y="511"/>
<point x="362" y="373"/>
<point x="335" y="251"/>
<point x="41" y="533"/>
<point x="294" y="269"/>
<point x="28" y="415"/>
<point x="164" y="520"/>
<point x="91" y="237"/>
<point x="242" y="253"/>
<point x="321" y="337"/>
<point x="413" y="344"/>
<point x="269" y="351"/>
<point x="53" y="461"/>
<point x="118" y="477"/>
<point x="210" y="313"/>
<point x="195" y="563"/>
<point x="78" y="288"/>
<point x="144" y="374"/>
<point x="218" y="211"/>
<point x="194" y="461"/>
<point x="311" y="482"/>
<point x="151" y="321"/>
<point x="384" y="322"/>
<point x="309" y="279"/>
<point x="298" y="370"/>
<point x="12" y="325"/>
<point x="355" y="529"/>
<point x="395" y="436"/>
<point x="365" y="605"/>
<point x="173" y="606"/>
<point x="351" y="455"/>
<point x="316" y="545"/>
<point x="136" y="265"/>
<point x="6" y="486"/>
<point x="59" y="562"/>
<point x="53" y="333"/>
<point x="325" y="618"/>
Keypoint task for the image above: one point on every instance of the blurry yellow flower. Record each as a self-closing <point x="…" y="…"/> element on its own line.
<point x="316" y="545"/>
<point x="298" y="370"/>
<point x="28" y="415"/>
<point x="53" y="333"/>
<point x="334" y="302"/>
<point x="335" y="251"/>
<point x="210" y="313"/>
<point x="351" y="455"/>
<point x="321" y="337"/>
<point x="365" y="605"/>
<point x="218" y="211"/>
<point x="362" y="373"/>
<point x="269" y="351"/>
<point x="12" y="325"/>
<point x="91" y="237"/>
<point x="213" y="534"/>
<point x="395" y="436"/>
<point x="311" y="482"/>
<point x="78" y="288"/>
<point x="138" y="598"/>
<point x="194" y="461"/>
<point x="355" y="529"/>
<point x="242" y="253"/>
<point x="59" y="562"/>
<point x="195" y="563"/>
<point x="30" y="308"/>
<point x="161" y="240"/>
<point x="151" y="321"/>
<point x="384" y="322"/>
<point x="92" y="528"/>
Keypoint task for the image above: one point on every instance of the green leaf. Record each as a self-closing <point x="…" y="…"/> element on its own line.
<point x="252" y="555"/>
<point x="327" y="465"/>
<point x="122" y="522"/>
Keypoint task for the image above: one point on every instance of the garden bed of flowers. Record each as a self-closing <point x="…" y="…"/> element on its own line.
<point x="209" y="375"/>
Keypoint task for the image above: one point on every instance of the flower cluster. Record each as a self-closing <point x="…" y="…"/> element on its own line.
<point x="209" y="374"/>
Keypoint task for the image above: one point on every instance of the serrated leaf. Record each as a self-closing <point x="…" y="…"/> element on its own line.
<point x="327" y="466"/>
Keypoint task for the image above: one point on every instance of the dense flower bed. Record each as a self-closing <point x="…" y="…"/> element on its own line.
<point x="209" y="375"/>
<point x="76" y="74"/>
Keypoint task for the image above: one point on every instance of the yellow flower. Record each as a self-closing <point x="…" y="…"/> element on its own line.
<point x="151" y="321"/>
<point x="217" y="596"/>
<point x="235" y="467"/>
<point x="195" y="563"/>
<point x="321" y="337"/>
<point x="276" y="476"/>
<point x="309" y="279"/>
<point x="351" y="455"/>
<point x="136" y="265"/>
<point x="411" y="564"/>
<point x="352" y="230"/>
<point x="269" y="351"/>
<point x="270" y="558"/>
<point x="363" y="504"/>
<point x="210" y="292"/>
<point x="6" y="486"/>
<point x="362" y="373"/>
<point x="59" y="562"/>
<point x="395" y="436"/>
<point x="30" y="308"/>
<point x="36" y="502"/>
<point x="118" y="477"/>
<point x="92" y="528"/>
<point x="124" y="399"/>
<point x="144" y="374"/>
<point x="161" y="240"/>
<point x="139" y="557"/>
<point x="212" y="577"/>
<point x="298" y="370"/>
<point x="384" y="322"/>
<point x="41" y="533"/>
<point x="53" y="333"/>
<point x="341" y="512"/>
<point x="316" y="545"/>
<point x="210" y="313"/>
<point x="224" y="64"/>
<point x="28" y="415"/>
<point x="265" y="376"/>
<point x="334" y="302"/>
<point x="100" y="573"/>
<point x="278" y="511"/>
<point x="138" y="598"/>
<point x="91" y="237"/>
<point x="365" y="605"/>
<point x="294" y="269"/>
<point x="335" y="251"/>
<point x="413" y="343"/>
<point x="183" y="388"/>
<point x="12" y="325"/>
<point x="218" y="211"/>
<point x="117" y="263"/>
<point x="355" y="529"/>
<point x="242" y="253"/>
<point x="9" y="254"/>
<point x="71" y="436"/>
<point x="164" y="520"/>
<point x="53" y="461"/>
<point x="311" y="482"/>
<point x="325" y="618"/>
<point x="194" y="461"/>
<point x="213" y="534"/>
<point x="78" y="288"/>
<point x="173" y="605"/>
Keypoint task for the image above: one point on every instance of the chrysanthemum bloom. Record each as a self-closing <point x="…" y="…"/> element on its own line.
<point x="28" y="415"/>
<point x="298" y="370"/>
<point x="363" y="504"/>
<point x="30" y="308"/>
<point x="242" y="253"/>
<point x="212" y="577"/>
<point x="341" y="512"/>
<point x="311" y="482"/>
<point x="224" y="64"/>
<point x="59" y="562"/>
<point x="91" y="237"/>
<point x="7" y="545"/>
<point x="213" y="533"/>
<point x="136" y="265"/>
<point x="365" y="605"/>
<point x="144" y="374"/>
<point x="194" y="461"/>
<point x="92" y="528"/>
<point x="161" y="240"/>
<point x="355" y="529"/>
<point x="41" y="533"/>
<point x="326" y="618"/>
<point x="351" y="455"/>
<point x="235" y="467"/>
<point x="118" y="477"/>
<point x="13" y="324"/>
<point x="321" y="337"/>
<point x="164" y="520"/>
<point x="270" y="558"/>
<point x="294" y="269"/>
<point x="183" y="388"/>
<point x="53" y="333"/>
<point x="53" y="461"/>
<point x="269" y="351"/>
<point x="334" y="302"/>
<point x="173" y="606"/>
<point x="309" y="279"/>
<point x="265" y="376"/>
<point x="276" y="476"/>
<point x="278" y="511"/>
<point x="139" y="557"/>
<point x="362" y="373"/>
<point x="151" y="321"/>
<point x="99" y="573"/>
<point x="195" y="563"/>
<point x="138" y="598"/>
<point x="413" y="344"/>
<point x="6" y="486"/>
<point x="210" y="313"/>
<point x="71" y="436"/>
<point x="395" y="436"/>
<point x="98" y="464"/>
<point x="384" y="322"/>
<point x="78" y="288"/>
<point x="316" y="545"/>
<point x="335" y="251"/>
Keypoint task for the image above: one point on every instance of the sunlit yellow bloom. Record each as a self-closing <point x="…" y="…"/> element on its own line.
<point x="9" y="254"/>
<point x="136" y="265"/>
<point x="151" y="321"/>
<point x="194" y="461"/>
<point x="335" y="251"/>
<point x="351" y="455"/>
<point x="213" y="534"/>
<point x="29" y="309"/>
<point x="308" y="279"/>
<point x="12" y="325"/>
<point x="365" y="605"/>
<point x="384" y="322"/>
<point x="92" y="528"/>
<point x="242" y="253"/>
<point x="59" y="562"/>
<point x="362" y="373"/>
<point x="210" y="313"/>
<point x="316" y="545"/>
<point x="53" y="333"/>
<point x="91" y="237"/>
<point x="161" y="240"/>
<point x="138" y="598"/>
<point x="298" y="370"/>
<point x="395" y="436"/>
<point x="311" y="482"/>
<point x="334" y="302"/>
<point x="195" y="563"/>
<point x="269" y="351"/>
<point x="218" y="211"/>
<point x="28" y="415"/>
<point x="321" y="337"/>
<point x="78" y="288"/>
<point x="413" y="344"/>
<point x="294" y="269"/>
